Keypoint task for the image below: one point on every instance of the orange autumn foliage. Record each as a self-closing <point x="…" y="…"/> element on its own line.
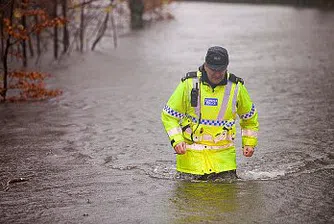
<point x="16" y="30"/>
<point x="23" y="85"/>
<point x="30" y="86"/>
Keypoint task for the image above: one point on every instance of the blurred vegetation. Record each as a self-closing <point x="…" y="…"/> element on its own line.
<point x="300" y="3"/>
<point x="30" y="29"/>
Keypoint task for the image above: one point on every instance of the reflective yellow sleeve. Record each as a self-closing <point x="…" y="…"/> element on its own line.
<point x="248" y="117"/>
<point x="173" y="112"/>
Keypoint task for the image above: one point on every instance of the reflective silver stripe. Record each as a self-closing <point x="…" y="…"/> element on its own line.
<point x="225" y="101"/>
<point x="234" y="102"/>
<point x="203" y="138"/>
<point x="248" y="132"/>
<point x="221" y="137"/>
<point x="198" y="108"/>
<point x="207" y="138"/>
<point x="174" y="131"/>
<point x="188" y="131"/>
<point x="201" y="147"/>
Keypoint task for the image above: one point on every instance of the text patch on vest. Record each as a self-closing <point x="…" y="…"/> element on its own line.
<point x="211" y="101"/>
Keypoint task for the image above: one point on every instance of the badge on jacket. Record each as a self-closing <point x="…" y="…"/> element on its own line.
<point x="210" y="101"/>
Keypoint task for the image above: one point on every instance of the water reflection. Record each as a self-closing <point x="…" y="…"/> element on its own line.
<point x="204" y="201"/>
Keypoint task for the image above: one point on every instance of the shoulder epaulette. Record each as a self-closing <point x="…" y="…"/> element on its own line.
<point x="235" y="79"/>
<point x="189" y="75"/>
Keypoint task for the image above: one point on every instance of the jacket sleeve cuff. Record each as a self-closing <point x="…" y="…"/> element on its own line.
<point x="250" y="141"/>
<point x="176" y="140"/>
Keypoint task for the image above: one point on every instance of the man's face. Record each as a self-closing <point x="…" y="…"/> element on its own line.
<point x="215" y="77"/>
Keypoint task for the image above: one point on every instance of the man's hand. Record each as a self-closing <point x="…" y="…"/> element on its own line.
<point x="180" y="148"/>
<point x="248" y="151"/>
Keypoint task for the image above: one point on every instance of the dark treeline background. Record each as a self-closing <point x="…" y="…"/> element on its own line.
<point x="306" y="3"/>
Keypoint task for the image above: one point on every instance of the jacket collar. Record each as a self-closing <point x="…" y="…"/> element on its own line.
<point x="206" y="80"/>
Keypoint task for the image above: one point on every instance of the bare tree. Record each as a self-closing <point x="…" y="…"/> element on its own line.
<point x="2" y="35"/>
<point x="137" y="10"/>
<point x="31" y="48"/>
<point x="102" y="30"/>
<point x="66" y="40"/>
<point x="82" y="25"/>
<point x="55" y="37"/>
<point x="23" y="42"/>
<point x="5" y="54"/>
<point x="38" y="39"/>
<point x="113" y="25"/>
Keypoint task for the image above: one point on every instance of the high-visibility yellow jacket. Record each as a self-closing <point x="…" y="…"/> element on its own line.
<point x="209" y="128"/>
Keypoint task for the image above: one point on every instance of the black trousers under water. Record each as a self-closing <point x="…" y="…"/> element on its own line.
<point x="222" y="176"/>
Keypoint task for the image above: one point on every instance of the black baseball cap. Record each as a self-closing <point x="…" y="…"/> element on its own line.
<point x="217" y="58"/>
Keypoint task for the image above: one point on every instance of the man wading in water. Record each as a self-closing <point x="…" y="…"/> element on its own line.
<point x="199" y="119"/>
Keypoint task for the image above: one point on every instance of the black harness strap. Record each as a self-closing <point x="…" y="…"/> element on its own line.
<point x="189" y="75"/>
<point x="235" y="79"/>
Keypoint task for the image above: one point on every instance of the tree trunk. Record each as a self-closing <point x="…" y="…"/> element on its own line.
<point x="24" y="45"/>
<point x="5" y="70"/>
<point x="2" y="37"/>
<point x="101" y="31"/>
<point x="66" y="40"/>
<point x="137" y="10"/>
<point x="55" y="38"/>
<point x="113" y="25"/>
<point x="38" y="40"/>
<point x="31" y="48"/>
<point x="5" y="57"/>
<point x="82" y="26"/>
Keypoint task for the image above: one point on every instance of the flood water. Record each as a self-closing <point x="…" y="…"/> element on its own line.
<point x="99" y="153"/>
